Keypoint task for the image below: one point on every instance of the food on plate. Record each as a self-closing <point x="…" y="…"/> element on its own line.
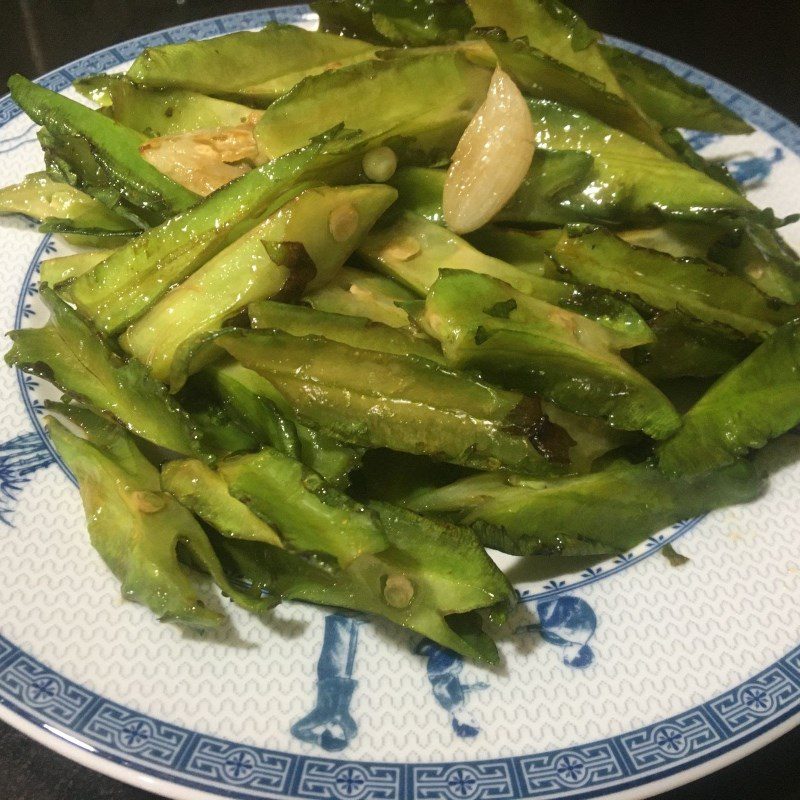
<point x="349" y="307"/>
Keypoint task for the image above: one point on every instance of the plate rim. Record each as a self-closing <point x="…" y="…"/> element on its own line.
<point x="125" y="767"/>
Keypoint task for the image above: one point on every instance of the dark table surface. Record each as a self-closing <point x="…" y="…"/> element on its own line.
<point x="755" y="46"/>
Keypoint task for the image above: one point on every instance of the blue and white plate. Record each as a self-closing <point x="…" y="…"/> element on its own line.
<point x="626" y="679"/>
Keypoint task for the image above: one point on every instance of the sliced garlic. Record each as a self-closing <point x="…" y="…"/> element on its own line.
<point x="491" y="159"/>
<point x="202" y="161"/>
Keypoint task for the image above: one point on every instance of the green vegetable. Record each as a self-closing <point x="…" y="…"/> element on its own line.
<point x="426" y="574"/>
<point x="111" y="439"/>
<point x="354" y="331"/>
<point x="714" y="169"/>
<point x="405" y="403"/>
<point x="684" y="347"/>
<point x="532" y="251"/>
<point x="679" y="239"/>
<point x="310" y="515"/>
<point x="544" y="198"/>
<point x="606" y="512"/>
<point x="754" y="402"/>
<point x="137" y="530"/>
<point x="760" y="256"/>
<point x="528" y="250"/>
<point x="327" y="225"/>
<point x="539" y="75"/>
<point x="495" y="388"/>
<point x="420" y="191"/>
<point x="391" y="476"/>
<point x="668" y="98"/>
<point x="124" y="286"/>
<point x="261" y="410"/>
<point x="357" y="293"/>
<point x="698" y="288"/>
<point x="219" y="433"/>
<point x="623" y="323"/>
<point x="247" y="399"/>
<point x="751" y="250"/>
<point x="69" y="354"/>
<point x="205" y="493"/>
<point x="162" y="112"/>
<point x="109" y="154"/>
<point x="533" y="346"/>
<point x="546" y="194"/>
<point x="250" y="67"/>
<point x="593" y="438"/>
<point x="585" y="170"/>
<point x="403" y="22"/>
<point x="388" y="100"/>
<point x="552" y="28"/>
<point x="58" y="204"/>
<point x="55" y="271"/>
<point x="626" y="181"/>
<point x="413" y="251"/>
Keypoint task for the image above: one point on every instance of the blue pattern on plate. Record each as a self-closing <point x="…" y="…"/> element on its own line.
<point x="322" y="779"/>
<point x="221" y="762"/>
<point x="699" y="140"/>
<point x="662" y="744"/>
<point x="772" y="692"/>
<point x="36" y="693"/>
<point x="483" y="780"/>
<point x="569" y="623"/>
<point x="20" y="458"/>
<point x="752" y="171"/>
<point x="585" y="767"/>
<point x="444" y="669"/>
<point x="329" y="724"/>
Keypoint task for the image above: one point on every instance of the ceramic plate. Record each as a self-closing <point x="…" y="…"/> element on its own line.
<point x="626" y="679"/>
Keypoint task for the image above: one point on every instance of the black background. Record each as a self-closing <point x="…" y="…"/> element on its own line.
<point x="753" y="45"/>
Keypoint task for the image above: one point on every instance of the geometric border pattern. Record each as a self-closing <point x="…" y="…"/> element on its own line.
<point x="170" y="752"/>
<point x="34" y="692"/>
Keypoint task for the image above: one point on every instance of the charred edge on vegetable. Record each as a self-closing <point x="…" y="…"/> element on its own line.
<point x="502" y="310"/>
<point x="295" y="258"/>
<point x="527" y="419"/>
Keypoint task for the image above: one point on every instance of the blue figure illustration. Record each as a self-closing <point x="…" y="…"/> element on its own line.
<point x="19" y="459"/>
<point x="329" y="724"/>
<point x="753" y="170"/>
<point x="444" y="673"/>
<point x="699" y="139"/>
<point x="569" y="623"/>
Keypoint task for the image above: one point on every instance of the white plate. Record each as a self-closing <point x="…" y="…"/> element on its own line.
<point x="627" y="679"/>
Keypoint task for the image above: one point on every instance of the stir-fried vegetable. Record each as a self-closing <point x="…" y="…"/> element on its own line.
<point x="754" y="402"/>
<point x="375" y="399"/>
<point x="389" y="99"/>
<point x="605" y="512"/>
<point x="251" y="67"/>
<point x="137" y="529"/>
<point x="535" y="347"/>
<point x="71" y="355"/>
<point x="363" y="302"/>
<point x="300" y="247"/>
<point x="99" y="155"/>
